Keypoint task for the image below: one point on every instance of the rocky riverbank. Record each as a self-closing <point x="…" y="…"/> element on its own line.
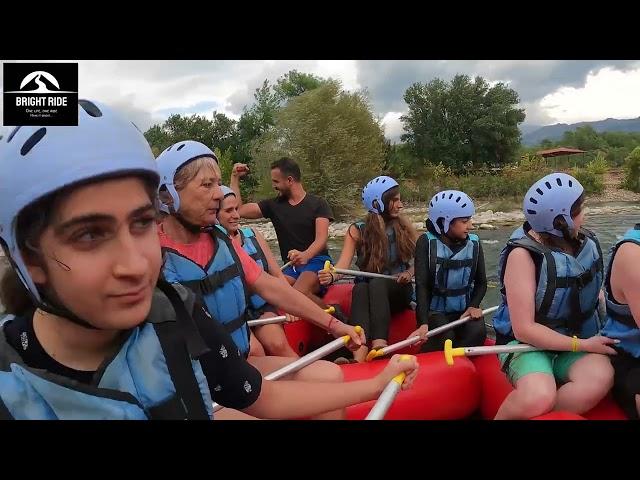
<point x="483" y="220"/>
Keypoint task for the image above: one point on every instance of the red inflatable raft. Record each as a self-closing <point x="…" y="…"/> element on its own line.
<point x="305" y="337"/>
<point x="440" y="391"/>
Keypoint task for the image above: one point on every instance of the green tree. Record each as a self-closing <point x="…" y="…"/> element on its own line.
<point x="333" y="135"/>
<point x="400" y="161"/>
<point x="462" y="122"/>
<point x="220" y="132"/>
<point x="584" y="138"/>
<point x="632" y="171"/>
<point x="259" y="118"/>
<point x="293" y="84"/>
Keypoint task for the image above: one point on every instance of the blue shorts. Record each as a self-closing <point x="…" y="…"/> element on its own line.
<point x="314" y="265"/>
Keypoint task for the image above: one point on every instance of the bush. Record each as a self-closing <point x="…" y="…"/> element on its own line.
<point x="591" y="182"/>
<point x="598" y="165"/>
<point x="632" y="171"/>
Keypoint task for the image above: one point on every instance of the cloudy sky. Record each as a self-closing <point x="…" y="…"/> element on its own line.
<point x="551" y="91"/>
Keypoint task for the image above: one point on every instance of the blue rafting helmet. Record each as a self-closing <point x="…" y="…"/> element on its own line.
<point x="172" y="159"/>
<point x="550" y="197"/>
<point x="449" y="205"/>
<point x="374" y="190"/>
<point x="36" y="161"/>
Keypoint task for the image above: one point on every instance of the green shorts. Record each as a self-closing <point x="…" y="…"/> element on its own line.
<point x="551" y="363"/>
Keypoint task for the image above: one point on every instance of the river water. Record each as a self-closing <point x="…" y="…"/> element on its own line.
<point x="608" y="228"/>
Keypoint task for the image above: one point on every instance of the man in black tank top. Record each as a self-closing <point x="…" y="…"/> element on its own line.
<point x="301" y="221"/>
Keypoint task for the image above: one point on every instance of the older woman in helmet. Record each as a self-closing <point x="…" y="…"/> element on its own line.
<point x="203" y="258"/>
<point x="551" y="275"/>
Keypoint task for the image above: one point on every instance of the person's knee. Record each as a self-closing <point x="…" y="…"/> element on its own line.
<point x="255" y="348"/>
<point x="360" y="289"/>
<point x="597" y="379"/>
<point x="538" y="400"/>
<point x="277" y="345"/>
<point x="306" y="285"/>
<point x="472" y="334"/>
<point x="323" y="371"/>
<point x="378" y="286"/>
<point x="602" y="377"/>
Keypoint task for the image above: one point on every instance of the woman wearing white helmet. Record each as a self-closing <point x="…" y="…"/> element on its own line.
<point x="265" y="339"/>
<point x="551" y="274"/>
<point x="450" y="273"/>
<point x="94" y="335"/>
<point x="384" y="243"/>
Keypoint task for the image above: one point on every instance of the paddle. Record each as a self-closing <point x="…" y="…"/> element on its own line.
<point x="279" y="319"/>
<point x="302" y="362"/>
<point x="450" y="353"/>
<point x="356" y="273"/>
<point x="412" y="340"/>
<point x="388" y="395"/>
<point x="267" y="321"/>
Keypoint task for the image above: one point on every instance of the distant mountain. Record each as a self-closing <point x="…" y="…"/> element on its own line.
<point x="527" y="128"/>
<point x="555" y="132"/>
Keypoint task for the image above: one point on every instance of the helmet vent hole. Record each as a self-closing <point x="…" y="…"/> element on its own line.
<point x="32" y="141"/>
<point x="463" y="205"/>
<point x="458" y="199"/>
<point x="180" y="147"/>
<point x="559" y="182"/>
<point x="548" y="185"/>
<point x="443" y="195"/>
<point x="570" y="183"/>
<point x="531" y="212"/>
<point x="539" y="191"/>
<point x="90" y="107"/>
<point x="533" y="200"/>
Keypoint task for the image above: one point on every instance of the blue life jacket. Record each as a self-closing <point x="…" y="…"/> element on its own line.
<point x="567" y="286"/>
<point x="619" y="322"/>
<point x="254" y="250"/>
<point x="220" y="285"/>
<point x="155" y="374"/>
<point x="453" y="274"/>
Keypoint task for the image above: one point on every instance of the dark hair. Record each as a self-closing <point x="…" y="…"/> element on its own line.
<point x="569" y="238"/>
<point x="288" y="167"/>
<point x="374" y="245"/>
<point x="31" y="223"/>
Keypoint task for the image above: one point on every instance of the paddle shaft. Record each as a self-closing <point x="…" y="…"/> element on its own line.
<point x="267" y="321"/>
<point x="431" y="333"/>
<point x="302" y="362"/>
